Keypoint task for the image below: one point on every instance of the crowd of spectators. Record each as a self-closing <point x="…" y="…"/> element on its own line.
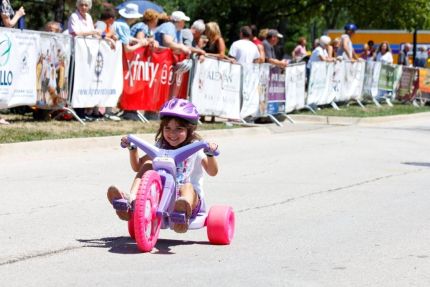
<point x="134" y="30"/>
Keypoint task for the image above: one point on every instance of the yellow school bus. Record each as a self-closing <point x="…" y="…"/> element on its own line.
<point x="396" y="38"/>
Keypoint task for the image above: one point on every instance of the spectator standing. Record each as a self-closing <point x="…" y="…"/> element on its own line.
<point x="169" y="34"/>
<point x="403" y="55"/>
<point x="320" y="53"/>
<point x="191" y="37"/>
<point x="53" y="26"/>
<point x="258" y="43"/>
<point x="216" y="44"/>
<point x="271" y="41"/>
<point x="300" y="51"/>
<point x="9" y="18"/>
<point x="80" y="22"/>
<point x="421" y="57"/>
<point x="145" y="29"/>
<point x="346" y="49"/>
<point x="383" y="53"/>
<point x="333" y="47"/>
<point x="243" y="50"/>
<point x="366" y="53"/>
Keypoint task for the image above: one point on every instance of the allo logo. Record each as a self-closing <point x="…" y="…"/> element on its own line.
<point x="5" y="49"/>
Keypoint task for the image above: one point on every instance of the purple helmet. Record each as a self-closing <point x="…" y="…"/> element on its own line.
<point x="180" y="108"/>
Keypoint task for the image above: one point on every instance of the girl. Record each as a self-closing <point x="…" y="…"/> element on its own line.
<point x="177" y="128"/>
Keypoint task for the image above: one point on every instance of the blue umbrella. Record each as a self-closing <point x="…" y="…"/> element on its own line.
<point x="143" y="5"/>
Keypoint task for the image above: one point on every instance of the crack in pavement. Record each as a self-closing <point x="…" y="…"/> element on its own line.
<point x="40" y="254"/>
<point x="328" y="190"/>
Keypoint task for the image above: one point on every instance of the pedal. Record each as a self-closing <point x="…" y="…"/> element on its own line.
<point x="178" y="217"/>
<point x="121" y="204"/>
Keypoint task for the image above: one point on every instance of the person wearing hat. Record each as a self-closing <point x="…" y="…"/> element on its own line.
<point x="169" y="34"/>
<point x="269" y="43"/>
<point x="129" y="15"/>
<point x="346" y="49"/>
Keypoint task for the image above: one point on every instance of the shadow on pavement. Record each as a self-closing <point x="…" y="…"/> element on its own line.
<point x="126" y="245"/>
<point x="425" y="164"/>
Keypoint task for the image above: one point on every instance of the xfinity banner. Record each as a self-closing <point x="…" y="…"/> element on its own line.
<point x="353" y="81"/>
<point x="98" y="77"/>
<point x="18" y="57"/>
<point x="216" y="88"/>
<point x="319" y="83"/>
<point x="371" y="79"/>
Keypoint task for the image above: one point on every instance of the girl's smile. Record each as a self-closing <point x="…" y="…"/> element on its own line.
<point x="174" y="134"/>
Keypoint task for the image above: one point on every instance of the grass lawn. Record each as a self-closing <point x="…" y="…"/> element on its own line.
<point x="370" y="111"/>
<point x="24" y="128"/>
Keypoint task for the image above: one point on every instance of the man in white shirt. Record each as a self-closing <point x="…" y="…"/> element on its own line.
<point x="243" y="50"/>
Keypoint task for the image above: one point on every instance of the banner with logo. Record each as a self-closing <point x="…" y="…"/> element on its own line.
<point x="148" y="78"/>
<point x="406" y="85"/>
<point x="295" y="79"/>
<point x="52" y="70"/>
<point x="371" y="79"/>
<point x="179" y="87"/>
<point x="98" y="73"/>
<point x="250" y="90"/>
<point x="319" y="83"/>
<point x="276" y="91"/>
<point x="215" y="89"/>
<point x="18" y="57"/>
<point x="424" y="82"/>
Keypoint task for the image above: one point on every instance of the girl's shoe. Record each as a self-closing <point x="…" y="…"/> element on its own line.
<point x="182" y="205"/>
<point x="114" y="194"/>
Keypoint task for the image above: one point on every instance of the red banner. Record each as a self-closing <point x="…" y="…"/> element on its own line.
<point x="149" y="79"/>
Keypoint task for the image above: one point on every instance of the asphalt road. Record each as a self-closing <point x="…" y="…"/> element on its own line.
<point x="316" y="205"/>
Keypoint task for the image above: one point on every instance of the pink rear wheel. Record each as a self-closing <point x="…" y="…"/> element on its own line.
<point x="220" y="225"/>
<point x="146" y="222"/>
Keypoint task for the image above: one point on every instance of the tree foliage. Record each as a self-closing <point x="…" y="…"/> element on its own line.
<point x="293" y="18"/>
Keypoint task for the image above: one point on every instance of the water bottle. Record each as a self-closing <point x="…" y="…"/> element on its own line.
<point x="21" y="23"/>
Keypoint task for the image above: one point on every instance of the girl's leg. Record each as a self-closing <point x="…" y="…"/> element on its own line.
<point x="136" y="182"/>
<point x="187" y="202"/>
<point x="114" y="193"/>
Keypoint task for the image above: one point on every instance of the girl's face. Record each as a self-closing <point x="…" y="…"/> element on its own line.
<point x="384" y="48"/>
<point x="174" y="134"/>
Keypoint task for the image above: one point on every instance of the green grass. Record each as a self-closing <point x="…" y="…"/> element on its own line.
<point x="24" y="128"/>
<point x="370" y="111"/>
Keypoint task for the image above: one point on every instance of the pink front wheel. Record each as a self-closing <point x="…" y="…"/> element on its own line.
<point x="220" y="225"/>
<point x="146" y="223"/>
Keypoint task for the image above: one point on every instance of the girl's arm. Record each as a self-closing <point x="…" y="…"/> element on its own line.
<point x="209" y="163"/>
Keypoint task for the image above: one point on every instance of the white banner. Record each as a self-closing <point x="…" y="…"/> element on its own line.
<point x="18" y="57"/>
<point x="353" y="81"/>
<point x="250" y="90"/>
<point x="215" y="88"/>
<point x="98" y="78"/>
<point x="371" y="79"/>
<point x="295" y="79"/>
<point x="319" y="83"/>
<point x="337" y="80"/>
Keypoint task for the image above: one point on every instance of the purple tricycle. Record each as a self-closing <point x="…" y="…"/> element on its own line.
<point x="156" y="196"/>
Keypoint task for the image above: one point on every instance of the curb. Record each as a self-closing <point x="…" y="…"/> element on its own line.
<point x="58" y="146"/>
<point x="350" y="121"/>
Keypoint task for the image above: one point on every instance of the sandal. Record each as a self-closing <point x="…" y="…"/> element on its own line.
<point x="119" y="202"/>
<point x="182" y="205"/>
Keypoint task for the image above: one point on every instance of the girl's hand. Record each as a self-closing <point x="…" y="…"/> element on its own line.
<point x="211" y="149"/>
<point x="124" y="142"/>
